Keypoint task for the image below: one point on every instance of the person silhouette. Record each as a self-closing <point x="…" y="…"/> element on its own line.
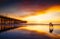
<point x="50" y="27"/>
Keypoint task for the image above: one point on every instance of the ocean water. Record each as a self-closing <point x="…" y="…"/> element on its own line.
<point x="32" y="32"/>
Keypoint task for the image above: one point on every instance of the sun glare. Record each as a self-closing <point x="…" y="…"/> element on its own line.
<point x="49" y="15"/>
<point x="35" y="28"/>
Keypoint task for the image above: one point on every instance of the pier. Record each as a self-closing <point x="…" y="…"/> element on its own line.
<point x="7" y="23"/>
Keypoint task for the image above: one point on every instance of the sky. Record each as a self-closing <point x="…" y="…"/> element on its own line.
<point x="35" y="11"/>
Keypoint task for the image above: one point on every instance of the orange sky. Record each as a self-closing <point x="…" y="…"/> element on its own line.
<point x="52" y="14"/>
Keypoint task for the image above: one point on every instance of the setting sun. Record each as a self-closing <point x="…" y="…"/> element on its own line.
<point x="52" y="14"/>
<point x="29" y="19"/>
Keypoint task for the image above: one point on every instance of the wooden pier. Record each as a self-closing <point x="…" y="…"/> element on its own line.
<point x="7" y="23"/>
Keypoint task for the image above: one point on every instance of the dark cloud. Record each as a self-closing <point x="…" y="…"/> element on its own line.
<point x="28" y="2"/>
<point x="13" y="6"/>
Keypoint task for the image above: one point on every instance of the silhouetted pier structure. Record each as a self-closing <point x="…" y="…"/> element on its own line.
<point x="7" y="23"/>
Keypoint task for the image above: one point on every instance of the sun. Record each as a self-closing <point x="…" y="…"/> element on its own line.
<point x="50" y="15"/>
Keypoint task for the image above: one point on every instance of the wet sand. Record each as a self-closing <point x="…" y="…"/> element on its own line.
<point x="27" y="34"/>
